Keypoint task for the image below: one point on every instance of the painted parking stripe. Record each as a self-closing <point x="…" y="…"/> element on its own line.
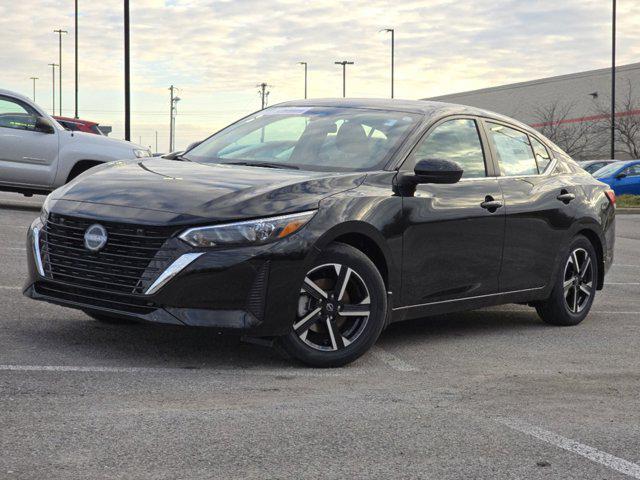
<point x="593" y="454"/>
<point x="294" y="372"/>
<point x="391" y="360"/>
<point x="3" y="287"/>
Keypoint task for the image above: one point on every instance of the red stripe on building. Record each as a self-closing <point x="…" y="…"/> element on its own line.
<point x="586" y="119"/>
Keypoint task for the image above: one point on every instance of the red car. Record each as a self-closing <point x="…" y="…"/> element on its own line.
<point x="77" y="125"/>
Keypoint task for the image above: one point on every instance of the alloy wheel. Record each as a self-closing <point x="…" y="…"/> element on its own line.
<point x="578" y="280"/>
<point x="333" y="308"/>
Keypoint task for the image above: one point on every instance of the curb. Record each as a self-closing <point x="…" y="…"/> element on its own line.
<point x="628" y="210"/>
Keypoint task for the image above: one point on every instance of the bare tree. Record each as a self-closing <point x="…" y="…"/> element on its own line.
<point x="627" y="123"/>
<point x="580" y="138"/>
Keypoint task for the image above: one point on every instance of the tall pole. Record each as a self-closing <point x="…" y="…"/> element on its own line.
<point x="60" y="32"/>
<point x="34" y="87"/>
<point x="613" y="82"/>
<point x="393" y="46"/>
<point x="264" y="94"/>
<point x="156" y="150"/>
<point x="344" y="64"/>
<point x="127" y="76"/>
<point x="305" y="77"/>
<point x="76" y="55"/>
<point x="53" y="87"/>
<point x="171" y="89"/>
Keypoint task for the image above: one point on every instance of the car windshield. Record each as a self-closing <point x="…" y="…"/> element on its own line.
<point x="608" y="170"/>
<point x="309" y="138"/>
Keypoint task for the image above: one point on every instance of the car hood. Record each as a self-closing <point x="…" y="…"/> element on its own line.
<point x="101" y="140"/>
<point x="187" y="192"/>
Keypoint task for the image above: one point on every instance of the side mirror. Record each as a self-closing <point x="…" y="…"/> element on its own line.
<point x="434" y="170"/>
<point x="43" y="125"/>
<point x="620" y="176"/>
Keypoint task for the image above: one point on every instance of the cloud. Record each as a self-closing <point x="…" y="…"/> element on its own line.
<point x="217" y="51"/>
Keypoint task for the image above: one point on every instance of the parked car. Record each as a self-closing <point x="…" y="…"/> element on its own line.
<point x="38" y="155"/>
<point x="592" y="166"/>
<point x="77" y="125"/>
<point x="315" y="224"/>
<point x="622" y="177"/>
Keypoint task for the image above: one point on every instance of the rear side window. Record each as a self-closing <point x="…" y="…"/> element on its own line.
<point x="455" y="140"/>
<point x="543" y="159"/>
<point x="515" y="154"/>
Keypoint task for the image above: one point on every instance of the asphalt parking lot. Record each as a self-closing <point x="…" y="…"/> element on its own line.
<point x="493" y="393"/>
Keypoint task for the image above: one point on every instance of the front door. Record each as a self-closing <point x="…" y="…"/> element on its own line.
<point x="454" y="237"/>
<point x="27" y="156"/>
<point x="629" y="184"/>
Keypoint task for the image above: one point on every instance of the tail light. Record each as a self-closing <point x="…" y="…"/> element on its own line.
<point x="611" y="195"/>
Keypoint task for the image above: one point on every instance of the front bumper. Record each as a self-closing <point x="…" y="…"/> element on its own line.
<point x="250" y="290"/>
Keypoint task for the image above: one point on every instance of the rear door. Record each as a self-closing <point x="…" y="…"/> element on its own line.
<point x="27" y="156"/>
<point x="539" y="206"/>
<point x="452" y="244"/>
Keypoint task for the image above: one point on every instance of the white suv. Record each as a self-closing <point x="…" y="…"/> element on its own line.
<point x="37" y="155"/>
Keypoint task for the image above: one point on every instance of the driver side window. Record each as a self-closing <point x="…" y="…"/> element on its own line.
<point x="455" y="140"/>
<point x="14" y="115"/>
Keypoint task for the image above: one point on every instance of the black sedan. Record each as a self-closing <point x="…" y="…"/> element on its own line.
<point x="315" y="224"/>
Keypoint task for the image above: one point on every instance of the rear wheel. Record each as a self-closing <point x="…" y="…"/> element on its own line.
<point x="575" y="287"/>
<point x="341" y="309"/>
<point x="109" y="318"/>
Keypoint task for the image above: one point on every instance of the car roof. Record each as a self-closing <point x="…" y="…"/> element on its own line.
<point x="75" y="120"/>
<point x="428" y="108"/>
<point x="15" y="94"/>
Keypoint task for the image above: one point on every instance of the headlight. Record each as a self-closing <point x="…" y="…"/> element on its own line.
<point x="139" y="153"/>
<point x="252" y="232"/>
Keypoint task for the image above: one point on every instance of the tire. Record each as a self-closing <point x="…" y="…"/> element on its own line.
<point x="328" y="305"/>
<point x="112" y="319"/>
<point x="574" y="290"/>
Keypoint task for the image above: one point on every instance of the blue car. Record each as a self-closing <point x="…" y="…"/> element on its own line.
<point x="623" y="177"/>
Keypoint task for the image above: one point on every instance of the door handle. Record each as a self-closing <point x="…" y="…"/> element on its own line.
<point x="491" y="204"/>
<point x="566" y="197"/>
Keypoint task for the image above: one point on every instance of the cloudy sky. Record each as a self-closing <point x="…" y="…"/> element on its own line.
<point x="216" y="51"/>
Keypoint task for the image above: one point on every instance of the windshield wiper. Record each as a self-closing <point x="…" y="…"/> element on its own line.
<point x="263" y="164"/>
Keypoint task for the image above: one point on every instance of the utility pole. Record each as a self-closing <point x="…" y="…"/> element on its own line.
<point x="53" y="88"/>
<point x="76" y="54"/>
<point x="305" y="77"/>
<point x="172" y="117"/>
<point x="613" y="82"/>
<point x="34" y="87"/>
<point x="264" y="94"/>
<point x="393" y="45"/>
<point x="60" y="32"/>
<point x="344" y="64"/>
<point x="156" y="150"/>
<point x="127" y="75"/>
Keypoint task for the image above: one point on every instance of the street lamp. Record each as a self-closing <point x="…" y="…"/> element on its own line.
<point x="127" y="76"/>
<point x="53" y="88"/>
<point x="60" y="32"/>
<point x="34" y="87"/>
<point x="393" y="43"/>
<point x="613" y="82"/>
<point x="305" y="77"/>
<point x="344" y="64"/>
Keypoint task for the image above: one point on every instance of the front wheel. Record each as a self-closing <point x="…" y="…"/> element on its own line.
<point x="342" y="309"/>
<point x="575" y="286"/>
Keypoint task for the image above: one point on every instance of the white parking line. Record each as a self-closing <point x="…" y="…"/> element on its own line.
<point x="593" y="454"/>
<point x="391" y="360"/>
<point x="295" y="372"/>
<point x="625" y="265"/>
<point x="3" y="287"/>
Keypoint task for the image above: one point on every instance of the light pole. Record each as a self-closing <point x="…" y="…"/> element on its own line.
<point x="34" y="87"/>
<point x="60" y="32"/>
<point x="264" y="94"/>
<point x="127" y="76"/>
<point x="344" y="64"/>
<point x="393" y="45"/>
<point x="305" y="77"/>
<point x="172" y="117"/>
<point x="76" y="55"/>
<point x="613" y="82"/>
<point x="53" y="88"/>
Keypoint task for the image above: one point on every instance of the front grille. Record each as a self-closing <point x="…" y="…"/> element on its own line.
<point x="132" y="257"/>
